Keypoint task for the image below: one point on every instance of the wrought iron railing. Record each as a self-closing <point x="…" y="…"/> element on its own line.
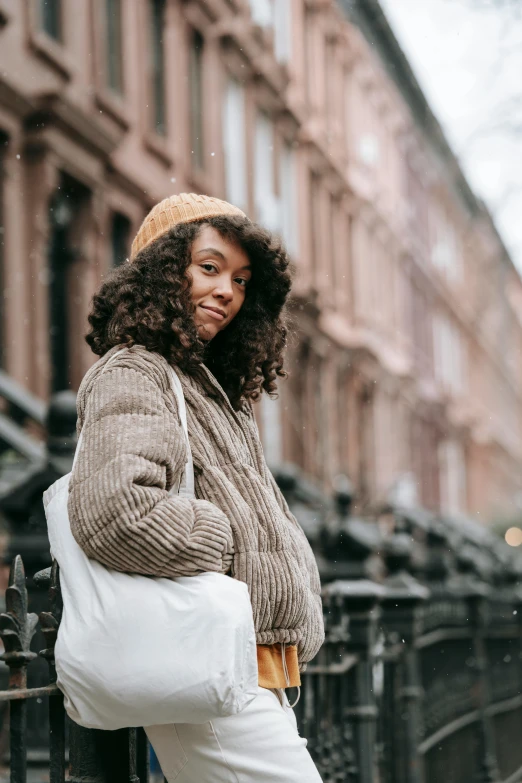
<point x="17" y="628"/>
<point x="408" y="688"/>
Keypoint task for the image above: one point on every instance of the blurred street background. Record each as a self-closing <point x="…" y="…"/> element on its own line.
<point x="405" y="359"/>
<point x="405" y="372"/>
<point x="382" y="141"/>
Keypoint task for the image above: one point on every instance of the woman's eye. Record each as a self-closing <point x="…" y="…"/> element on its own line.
<point x="242" y="281"/>
<point x="209" y="267"/>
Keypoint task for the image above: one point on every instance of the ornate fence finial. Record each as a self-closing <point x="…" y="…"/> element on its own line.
<point x="17" y="627"/>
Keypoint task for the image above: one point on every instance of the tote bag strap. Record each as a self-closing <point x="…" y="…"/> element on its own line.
<point x="186" y="487"/>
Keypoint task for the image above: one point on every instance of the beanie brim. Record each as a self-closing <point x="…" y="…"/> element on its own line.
<point x="182" y="208"/>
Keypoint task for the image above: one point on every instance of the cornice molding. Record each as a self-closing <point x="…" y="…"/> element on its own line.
<point x="252" y="47"/>
<point x="53" y="110"/>
<point x="13" y="100"/>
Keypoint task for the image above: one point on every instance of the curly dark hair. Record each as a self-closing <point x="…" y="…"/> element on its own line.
<point x="148" y="302"/>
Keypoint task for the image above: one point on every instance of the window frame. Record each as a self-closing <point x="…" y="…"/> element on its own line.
<point x="58" y="39"/>
<point x="235" y="155"/>
<point x="117" y="216"/>
<point x="196" y="87"/>
<point x="116" y="89"/>
<point x="158" y="122"/>
<point x="52" y="51"/>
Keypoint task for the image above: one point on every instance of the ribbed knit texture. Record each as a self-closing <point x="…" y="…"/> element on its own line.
<point x="133" y="452"/>
<point x="180" y="208"/>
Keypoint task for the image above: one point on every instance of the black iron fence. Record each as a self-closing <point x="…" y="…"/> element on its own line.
<point x="413" y="685"/>
<point x="416" y="687"/>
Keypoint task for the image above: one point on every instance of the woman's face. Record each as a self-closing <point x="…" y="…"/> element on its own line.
<point x="220" y="272"/>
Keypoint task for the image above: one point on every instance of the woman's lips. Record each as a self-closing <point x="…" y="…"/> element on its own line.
<point x="213" y="313"/>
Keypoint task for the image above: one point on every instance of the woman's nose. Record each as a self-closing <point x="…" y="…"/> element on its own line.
<point x="224" y="290"/>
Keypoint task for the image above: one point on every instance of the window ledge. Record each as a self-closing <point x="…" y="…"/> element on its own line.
<point x="159" y="146"/>
<point x="112" y="104"/>
<point x="52" y="52"/>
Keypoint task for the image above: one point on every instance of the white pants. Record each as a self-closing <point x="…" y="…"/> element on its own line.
<point x="260" y="745"/>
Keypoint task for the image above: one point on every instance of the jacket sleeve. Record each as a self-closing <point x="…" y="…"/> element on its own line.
<point x="132" y="451"/>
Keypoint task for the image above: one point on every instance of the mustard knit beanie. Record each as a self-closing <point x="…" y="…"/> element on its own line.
<point x="180" y="208"/>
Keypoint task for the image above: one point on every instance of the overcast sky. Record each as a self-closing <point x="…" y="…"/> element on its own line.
<point x="467" y="55"/>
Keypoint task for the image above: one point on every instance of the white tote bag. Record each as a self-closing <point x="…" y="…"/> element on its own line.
<point x="139" y="651"/>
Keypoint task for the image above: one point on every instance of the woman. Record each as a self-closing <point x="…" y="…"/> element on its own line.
<point x="204" y="291"/>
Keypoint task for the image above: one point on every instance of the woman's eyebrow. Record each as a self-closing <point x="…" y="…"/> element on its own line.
<point x="213" y="251"/>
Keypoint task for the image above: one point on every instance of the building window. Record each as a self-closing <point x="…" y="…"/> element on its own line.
<point x="453" y="478"/>
<point x="314" y="435"/>
<point x="425" y="461"/>
<point x="234" y="144"/>
<point x="283" y="30"/>
<point x="120" y="236"/>
<point x="68" y="211"/>
<point x="157" y="18"/>
<point x="315" y="189"/>
<point x="365" y="444"/>
<point x="271" y="430"/>
<point x="449" y="355"/>
<point x="196" y="99"/>
<point x="334" y="211"/>
<point x="51" y="18"/>
<point x="416" y="203"/>
<point x="267" y="203"/>
<point x="262" y="12"/>
<point x="309" y="54"/>
<point x="445" y="253"/>
<point x="423" y="334"/>
<point x="288" y="193"/>
<point x="113" y="45"/>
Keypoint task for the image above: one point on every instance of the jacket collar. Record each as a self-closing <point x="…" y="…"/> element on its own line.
<point x="210" y="380"/>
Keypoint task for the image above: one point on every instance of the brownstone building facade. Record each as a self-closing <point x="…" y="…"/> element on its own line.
<point x="404" y="361"/>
